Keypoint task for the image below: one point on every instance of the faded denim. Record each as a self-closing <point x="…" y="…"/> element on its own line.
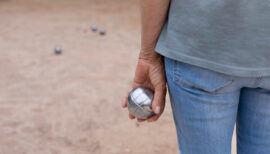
<point x="206" y="104"/>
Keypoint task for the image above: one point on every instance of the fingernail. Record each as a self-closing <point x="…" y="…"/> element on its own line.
<point x="157" y="110"/>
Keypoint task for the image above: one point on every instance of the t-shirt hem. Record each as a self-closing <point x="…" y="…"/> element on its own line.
<point x="235" y="71"/>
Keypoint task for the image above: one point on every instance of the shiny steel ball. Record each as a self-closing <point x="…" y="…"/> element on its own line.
<point x="139" y="102"/>
<point x="94" y="27"/>
<point x="57" y="50"/>
<point x="102" y="32"/>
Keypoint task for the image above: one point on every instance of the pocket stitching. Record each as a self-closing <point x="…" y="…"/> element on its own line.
<point x="181" y="82"/>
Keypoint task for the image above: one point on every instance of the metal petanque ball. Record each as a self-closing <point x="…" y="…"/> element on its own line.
<point x="94" y="27"/>
<point x="139" y="102"/>
<point x="57" y="50"/>
<point x="102" y="32"/>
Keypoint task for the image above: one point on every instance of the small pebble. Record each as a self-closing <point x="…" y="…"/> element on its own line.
<point x="102" y="32"/>
<point x="57" y="50"/>
<point x="94" y="27"/>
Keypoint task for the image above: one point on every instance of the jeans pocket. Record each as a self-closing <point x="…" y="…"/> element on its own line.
<point x="200" y="79"/>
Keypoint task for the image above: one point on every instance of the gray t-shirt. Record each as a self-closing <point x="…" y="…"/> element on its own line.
<point x="227" y="36"/>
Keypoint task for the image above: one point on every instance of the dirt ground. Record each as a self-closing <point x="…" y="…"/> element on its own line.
<point x="71" y="103"/>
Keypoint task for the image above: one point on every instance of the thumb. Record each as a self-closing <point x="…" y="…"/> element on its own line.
<point x="158" y="103"/>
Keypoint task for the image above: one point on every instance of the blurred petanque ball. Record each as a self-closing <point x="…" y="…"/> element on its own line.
<point x="57" y="50"/>
<point x="102" y="32"/>
<point x="139" y="102"/>
<point x="94" y="27"/>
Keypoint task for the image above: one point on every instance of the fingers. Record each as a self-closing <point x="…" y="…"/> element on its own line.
<point x="158" y="103"/>
<point x="131" y="116"/>
<point x="124" y="101"/>
<point x="153" y="118"/>
<point x="140" y="120"/>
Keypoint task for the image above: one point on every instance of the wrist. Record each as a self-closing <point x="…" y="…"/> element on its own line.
<point x="150" y="56"/>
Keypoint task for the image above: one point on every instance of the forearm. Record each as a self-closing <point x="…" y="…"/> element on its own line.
<point x="153" y="15"/>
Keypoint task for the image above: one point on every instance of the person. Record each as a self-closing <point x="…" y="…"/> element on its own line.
<point x="214" y="56"/>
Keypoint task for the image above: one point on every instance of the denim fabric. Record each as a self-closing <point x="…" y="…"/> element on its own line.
<point x="206" y="105"/>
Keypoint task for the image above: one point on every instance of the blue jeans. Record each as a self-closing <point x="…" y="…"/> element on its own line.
<point x="206" y="104"/>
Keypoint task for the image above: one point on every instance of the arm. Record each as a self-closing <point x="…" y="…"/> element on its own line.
<point x="150" y="69"/>
<point x="153" y="15"/>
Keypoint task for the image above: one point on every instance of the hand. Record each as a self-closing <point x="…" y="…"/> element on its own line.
<point x="150" y="73"/>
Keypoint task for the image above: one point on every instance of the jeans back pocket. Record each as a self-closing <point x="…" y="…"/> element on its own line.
<point x="198" y="78"/>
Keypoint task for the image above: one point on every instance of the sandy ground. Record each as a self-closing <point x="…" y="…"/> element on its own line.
<point x="71" y="103"/>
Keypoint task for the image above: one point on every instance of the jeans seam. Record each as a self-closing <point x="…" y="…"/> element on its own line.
<point x="224" y="86"/>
